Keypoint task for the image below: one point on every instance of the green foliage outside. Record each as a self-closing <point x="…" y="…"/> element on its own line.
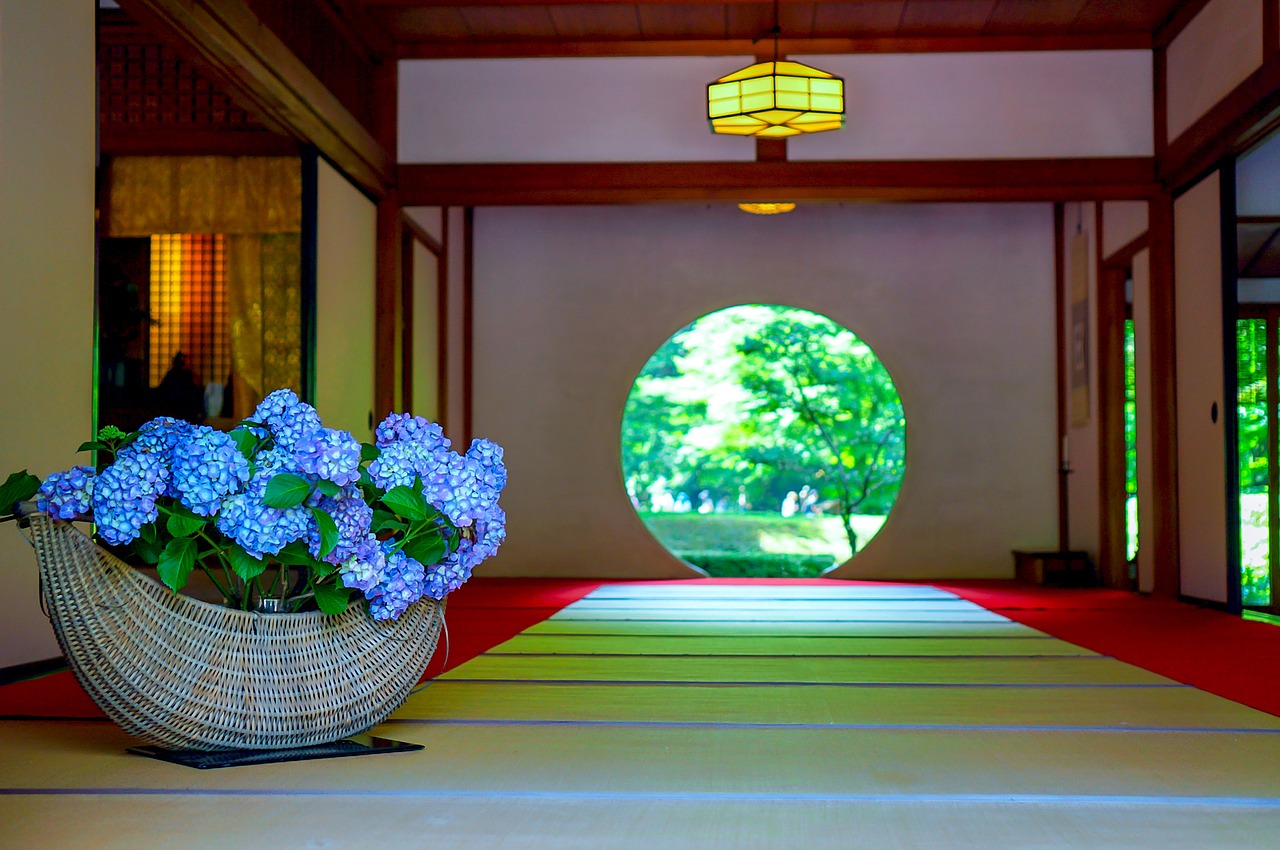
<point x="742" y="412"/>
<point x="1251" y="424"/>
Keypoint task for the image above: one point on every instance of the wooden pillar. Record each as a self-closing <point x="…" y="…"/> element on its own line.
<point x="1163" y="536"/>
<point x="389" y="280"/>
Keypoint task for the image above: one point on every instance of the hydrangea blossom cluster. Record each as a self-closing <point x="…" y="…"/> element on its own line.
<point x="67" y="495"/>
<point x="331" y="501"/>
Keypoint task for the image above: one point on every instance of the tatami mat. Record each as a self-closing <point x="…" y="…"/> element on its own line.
<point x="707" y="716"/>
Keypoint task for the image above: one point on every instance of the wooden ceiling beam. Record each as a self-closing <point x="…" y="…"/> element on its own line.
<point x="458" y="49"/>
<point x="227" y="41"/>
<point x="621" y="183"/>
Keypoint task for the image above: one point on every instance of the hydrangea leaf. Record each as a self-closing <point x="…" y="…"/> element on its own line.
<point x="243" y="564"/>
<point x="406" y="502"/>
<point x="286" y="491"/>
<point x="148" y="550"/>
<point x="328" y="488"/>
<point x="328" y="531"/>
<point x="369" y="452"/>
<point x="426" y="548"/>
<point x="296" y="554"/>
<point x="93" y="446"/>
<point x="332" y="599"/>
<point x="176" y="562"/>
<point x="18" y="487"/>
<point x="387" y="521"/>
<point x="246" y="441"/>
<point x="183" y="524"/>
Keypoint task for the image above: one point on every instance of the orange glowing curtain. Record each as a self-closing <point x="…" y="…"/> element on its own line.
<point x="252" y="208"/>
<point x="189" y="305"/>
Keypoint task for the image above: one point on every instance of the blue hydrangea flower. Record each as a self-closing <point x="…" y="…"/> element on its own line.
<point x="159" y="437"/>
<point x="207" y="466"/>
<point x="403" y="585"/>
<point x="451" y="573"/>
<point x="456" y="490"/>
<point x="125" y="493"/>
<point x="67" y="495"/>
<point x="261" y="530"/>
<point x="493" y="472"/>
<point x="366" y="567"/>
<point x="403" y="428"/>
<point x="400" y="464"/>
<point x="329" y="454"/>
<point x="287" y="419"/>
<point x="352" y="516"/>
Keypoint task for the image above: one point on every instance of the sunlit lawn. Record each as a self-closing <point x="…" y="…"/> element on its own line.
<point x="752" y="533"/>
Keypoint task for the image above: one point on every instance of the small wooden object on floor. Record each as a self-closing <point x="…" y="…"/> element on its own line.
<point x="1063" y="568"/>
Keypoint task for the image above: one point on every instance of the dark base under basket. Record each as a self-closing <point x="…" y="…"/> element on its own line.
<point x="356" y="745"/>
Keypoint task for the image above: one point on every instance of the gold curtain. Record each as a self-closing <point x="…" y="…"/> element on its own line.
<point x="257" y="203"/>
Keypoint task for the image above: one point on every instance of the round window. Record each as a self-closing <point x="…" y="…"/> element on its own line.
<point x="763" y="440"/>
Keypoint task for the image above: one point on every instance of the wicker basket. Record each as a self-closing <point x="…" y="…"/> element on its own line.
<point x="187" y="674"/>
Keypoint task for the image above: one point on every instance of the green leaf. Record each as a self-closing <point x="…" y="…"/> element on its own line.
<point x="177" y="561"/>
<point x="184" y="524"/>
<point x="296" y="554"/>
<point x="18" y="487"/>
<point x="328" y="488"/>
<point x="93" y="446"/>
<point x="406" y="502"/>
<point x="286" y="491"/>
<point x="328" y="531"/>
<point x="332" y="599"/>
<point x="369" y="452"/>
<point x="246" y="441"/>
<point x="243" y="564"/>
<point x="426" y="549"/>
<point x="148" y="550"/>
<point x="385" y="520"/>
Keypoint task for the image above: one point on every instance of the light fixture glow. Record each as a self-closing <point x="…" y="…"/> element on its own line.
<point x="774" y="100"/>
<point x="767" y="208"/>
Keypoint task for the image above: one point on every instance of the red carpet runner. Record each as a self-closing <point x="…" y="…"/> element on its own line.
<point x="1216" y="652"/>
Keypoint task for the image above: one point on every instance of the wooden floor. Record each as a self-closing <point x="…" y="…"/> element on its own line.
<point x="716" y="716"/>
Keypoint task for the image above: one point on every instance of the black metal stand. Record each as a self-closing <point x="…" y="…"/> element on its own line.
<point x="357" y="745"/>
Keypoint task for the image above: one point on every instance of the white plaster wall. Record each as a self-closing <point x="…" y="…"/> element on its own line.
<point x="47" y="125"/>
<point x="619" y="109"/>
<point x="426" y="333"/>
<point x="1202" y="495"/>
<point x="346" y="270"/>
<point x="1083" y="487"/>
<point x="988" y="105"/>
<point x="956" y="299"/>
<point x="1214" y="53"/>
<point x="1258" y="180"/>
<point x="1142" y="386"/>
<point x="899" y="106"/>
<point x="1122" y="222"/>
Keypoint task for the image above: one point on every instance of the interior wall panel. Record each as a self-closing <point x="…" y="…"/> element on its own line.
<point x="1122" y="222"/>
<point x="571" y="302"/>
<point x="1214" y="53"/>
<point x="426" y="333"/>
<point x="1198" y="329"/>
<point x="346" y="269"/>
<point x="47" y="125"/>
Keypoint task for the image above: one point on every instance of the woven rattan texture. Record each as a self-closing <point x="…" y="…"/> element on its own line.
<point x="182" y="673"/>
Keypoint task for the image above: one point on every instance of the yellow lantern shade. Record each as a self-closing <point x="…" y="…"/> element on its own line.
<point x="773" y="100"/>
<point x="767" y="208"/>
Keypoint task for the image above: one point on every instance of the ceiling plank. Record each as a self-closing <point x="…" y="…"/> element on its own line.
<point x="482" y="184"/>
<point x="462" y="49"/>
<point x="226" y="40"/>
<point x="945" y="17"/>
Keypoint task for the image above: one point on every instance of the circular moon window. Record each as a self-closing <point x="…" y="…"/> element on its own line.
<point x="763" y="440"/>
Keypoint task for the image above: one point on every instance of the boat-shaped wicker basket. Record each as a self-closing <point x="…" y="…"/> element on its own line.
<point x="187" y="674"/>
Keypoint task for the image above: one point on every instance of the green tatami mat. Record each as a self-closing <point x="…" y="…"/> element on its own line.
<point x="822" y="704"/>
<point x="1026" y="670"/>
<point x="657" y="760"/>
<point x="998" y="628"/>
<point x="842" y="590"/>
<point x="788" y="645"/>
<point x="699" y="606"/>
<point x="851" y="613"/>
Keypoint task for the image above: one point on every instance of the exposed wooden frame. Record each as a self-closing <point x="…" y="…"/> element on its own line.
<point x="1235" y="123"/>
<point x="231" y="45"/>
<point x="1162" y="366"/>
<point x="468" y="324"/>
<point x="1060" y="343"/>
<point x="1270" y="30"/>
<point x="407" y="271"/>
<point x="1181" y="15"/>
<point x="421" y="235"/>
<point x="619" y="183"/>
<point x="1125" y="253"/>
<point x="745" y="47"/>
<point x="1230" y="380"/>
<point x="442" y="319"/>
<point x="1112" y="493"/>
<point x="1160" y="103"/>
<point x="389" y="280"/>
